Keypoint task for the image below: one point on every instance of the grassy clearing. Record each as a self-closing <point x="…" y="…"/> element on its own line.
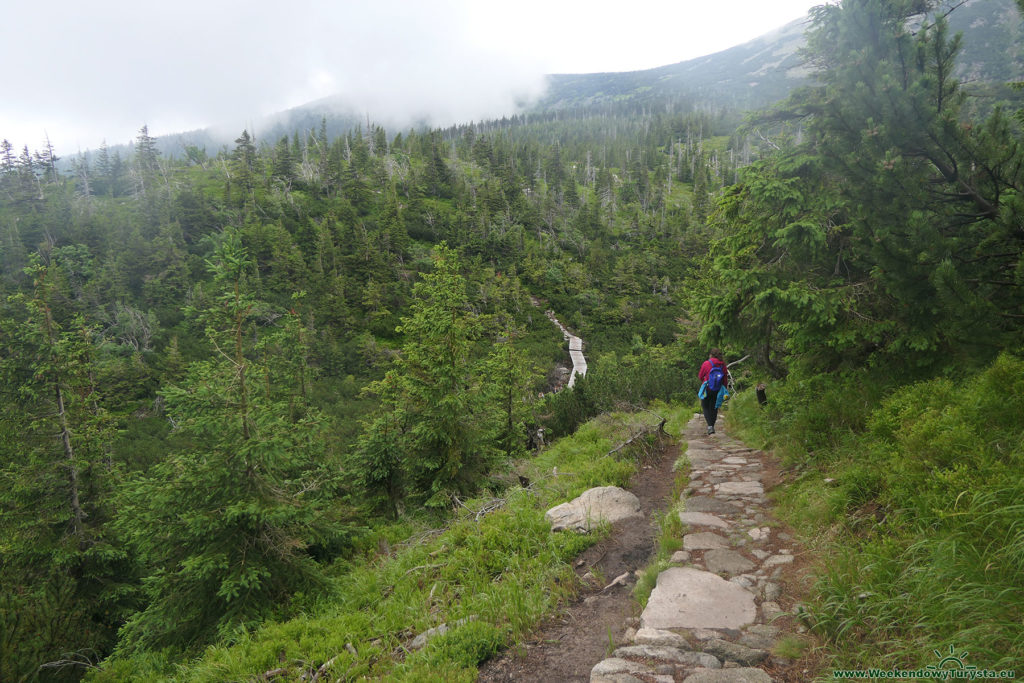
<point x="491" y="576"/>
<point x="913" y="502"/>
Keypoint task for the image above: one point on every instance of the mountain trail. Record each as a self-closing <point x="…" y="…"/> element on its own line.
<point x="718" y="611"/>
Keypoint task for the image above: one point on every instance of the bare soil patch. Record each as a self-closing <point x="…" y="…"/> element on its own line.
<point x="566" y="647"/>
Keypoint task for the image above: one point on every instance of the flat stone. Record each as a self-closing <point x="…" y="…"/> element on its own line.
<point x="772" y="591"/>
<point x="712" y="505"/>
<point x="726" y="561"/>
<point x="594" y="507"/>
<point x="703" y="519"/>
<point x="776" y="560"/>
<point x="685" y="597"/>
<point x="704" y="540"/>
<point x="770" y="609"/>
<point x="741" y="675"/>
<point x="742" y="581"/>
<point x="734" y="460"/>
<point x="733" y="652"/>
<point x="680" y="556"/>
<point x="613" y="666"/>
<point x="759" y="534"/>
<point x="760" y="554"/>
<point x="654" y="636"/>
<point x="664" y="653"/>
<point x="740" y="488"/>
<point x="703" y="634"/>
<point x="757" y="641"/>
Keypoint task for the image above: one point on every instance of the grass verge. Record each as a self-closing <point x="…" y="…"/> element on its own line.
<point x="913" y="502"/>
<point x="489" y="577"/>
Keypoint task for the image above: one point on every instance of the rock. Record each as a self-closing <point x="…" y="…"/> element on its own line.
<point x="772" y="591"/>
<point x="420" y="641"/>
<point x="727" y="562"/>
<point x="685" y="597"/>
<point x="770" y="609"/>
<point x="593" y="507"/>
<point x="705" y="540"/>
<point x="776" y="560"/>
<point x="703" y="634"/>
<point x="712" y="505"/>
<point x="616" y="670"/>
<point x="680" y="556"/>
<point x="734" y="460"/>
<point x="629" y="635"/>
<point x="734" y="652"/>
<point x="759" y="534"/>
<point x="742" y="581"/>
<point x="669" y="654"/>
<point x="744" y="675"/>
<point x="654" y="636"/>
<point x="757" y="641"/>
<point x="663" y="652"/>
<point x="740" y="488"/>
<point x="760" y="554"/>
<point x="703" y="519"/>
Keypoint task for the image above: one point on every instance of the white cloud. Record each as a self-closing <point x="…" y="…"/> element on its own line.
<point x="89" y="71"/>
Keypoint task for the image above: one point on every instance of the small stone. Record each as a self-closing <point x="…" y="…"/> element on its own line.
<point x="785" y="551"/>
<point x="734" y="652"/>
<point x="760" y="554"/>
<point x="770" y="609"/>
<point x="742" y="581"/>
<point x="703" y="634"/>
<point x="702" y="519"/>
<point x="759" y="534"/>
<point x="729" y="675"/>
<point x="722" y="561"/>
<point x="705" y="540"/>
<point x="776" y="560"/>
<point x="772" y="591"/>
<point x="665" y="654"/>
<point x="656" y="636"/>
<point x="680" y="556"/>
<point x="629" y="635"/>
<point x="615" y="670"/>
<point x="712" y="505"/>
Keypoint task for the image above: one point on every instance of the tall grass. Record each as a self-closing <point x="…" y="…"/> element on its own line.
<point x="491" y="575"/>
<point x="915" y="503"/>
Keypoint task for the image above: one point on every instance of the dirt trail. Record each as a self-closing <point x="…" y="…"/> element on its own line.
<point x="755" y="571"/>
<point x="567" y="647"/>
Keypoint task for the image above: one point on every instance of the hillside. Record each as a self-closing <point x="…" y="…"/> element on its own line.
<point x="245" y="391"/>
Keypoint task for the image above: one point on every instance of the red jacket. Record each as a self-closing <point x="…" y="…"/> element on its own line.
<point x="705" y="370"/>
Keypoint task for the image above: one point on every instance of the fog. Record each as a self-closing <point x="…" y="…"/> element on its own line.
<point x="81" y="73"/>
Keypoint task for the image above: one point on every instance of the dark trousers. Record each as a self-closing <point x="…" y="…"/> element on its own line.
<point x="708" y="405"/>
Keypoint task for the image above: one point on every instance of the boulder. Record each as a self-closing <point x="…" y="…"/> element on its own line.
<point x="594" y="507"/>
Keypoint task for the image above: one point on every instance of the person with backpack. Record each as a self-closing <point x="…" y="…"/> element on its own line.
<point x="714" y="377"/>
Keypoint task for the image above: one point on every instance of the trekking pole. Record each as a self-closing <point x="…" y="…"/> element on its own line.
<point x="735" y="362"/>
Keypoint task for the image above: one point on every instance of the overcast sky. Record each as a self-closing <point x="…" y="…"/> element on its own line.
<point x="84" y="72"/>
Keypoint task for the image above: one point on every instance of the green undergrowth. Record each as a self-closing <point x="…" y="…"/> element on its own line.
<point x="913" y="500"/>
<point x="670" y="526"/>
<point x="491" y="574"/>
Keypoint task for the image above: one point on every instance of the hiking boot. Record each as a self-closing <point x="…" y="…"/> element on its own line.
<point x="711" y="430"/>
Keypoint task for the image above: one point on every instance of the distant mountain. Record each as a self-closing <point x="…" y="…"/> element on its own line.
<point x="766" y="69"/>
<point x="742" y="78"/>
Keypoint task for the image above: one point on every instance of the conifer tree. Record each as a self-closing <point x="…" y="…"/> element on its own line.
<point x="226" y="518"/>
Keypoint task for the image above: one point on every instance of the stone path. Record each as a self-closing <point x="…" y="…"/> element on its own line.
<point x="709" y="619"/>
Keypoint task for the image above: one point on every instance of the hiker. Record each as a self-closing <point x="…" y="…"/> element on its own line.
<point x="714" y="377"/>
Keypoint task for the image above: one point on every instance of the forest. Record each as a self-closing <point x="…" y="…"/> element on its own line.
<point x="232" y="380"/>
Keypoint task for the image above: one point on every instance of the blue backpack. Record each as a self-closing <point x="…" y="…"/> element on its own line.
<point x="716" y="377"/>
